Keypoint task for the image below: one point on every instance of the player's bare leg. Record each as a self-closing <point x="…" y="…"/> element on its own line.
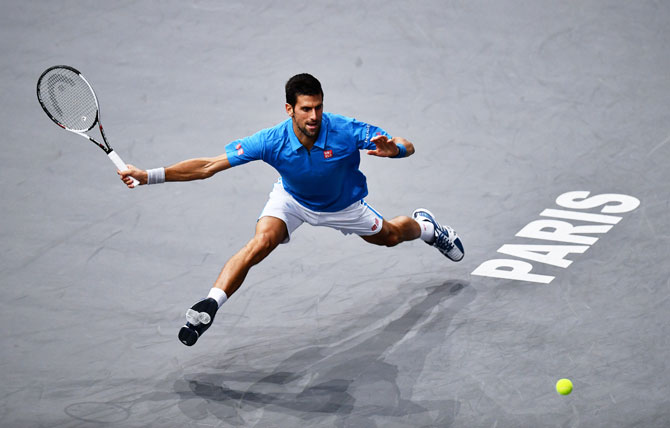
<point x="423" y="225"/>
<point x="270" y="232"/>
<point x="395" y="231"/>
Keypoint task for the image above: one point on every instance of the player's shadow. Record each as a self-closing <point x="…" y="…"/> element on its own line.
<point x="352" y="381"/>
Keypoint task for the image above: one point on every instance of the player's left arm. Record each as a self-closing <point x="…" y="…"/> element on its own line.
<point x="391" y="147"/>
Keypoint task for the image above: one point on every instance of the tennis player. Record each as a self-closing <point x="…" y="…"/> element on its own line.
<point x="317" y="155"/>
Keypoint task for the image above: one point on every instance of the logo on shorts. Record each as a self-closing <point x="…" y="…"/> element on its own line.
<point x="327" y="154"/>
<point x="376" y="225"/>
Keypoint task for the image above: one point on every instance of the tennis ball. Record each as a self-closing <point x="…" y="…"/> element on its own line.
<point x="564" y="386"/>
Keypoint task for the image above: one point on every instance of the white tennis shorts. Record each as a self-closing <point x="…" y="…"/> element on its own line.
<point x="359" y="217"/>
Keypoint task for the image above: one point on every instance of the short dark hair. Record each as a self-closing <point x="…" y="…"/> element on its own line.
<point x="302" y="84"/>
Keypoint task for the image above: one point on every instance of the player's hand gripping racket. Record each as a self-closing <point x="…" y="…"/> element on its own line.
<point x="68" y="99"/>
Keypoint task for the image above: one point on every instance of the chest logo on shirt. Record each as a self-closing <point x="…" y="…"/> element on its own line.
<point x="327" y="154"/>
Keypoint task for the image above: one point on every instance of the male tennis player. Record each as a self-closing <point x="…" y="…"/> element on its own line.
<point x="317" y="155"/>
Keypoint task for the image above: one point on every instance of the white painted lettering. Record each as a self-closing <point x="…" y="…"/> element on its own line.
<point x="510" y="269"/>
<point x="548" y="254"/>
<point x="561" y="231"/>
<point x="574" y="215"/>
<point x="624" y="204"/>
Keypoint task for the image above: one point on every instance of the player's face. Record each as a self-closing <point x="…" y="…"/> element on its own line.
<point x="307" y="115"/>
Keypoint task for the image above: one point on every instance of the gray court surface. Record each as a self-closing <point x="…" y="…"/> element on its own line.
<point x="510" y="105"/>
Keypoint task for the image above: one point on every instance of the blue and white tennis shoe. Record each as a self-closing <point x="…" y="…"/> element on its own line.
<point x="446" y="240"/>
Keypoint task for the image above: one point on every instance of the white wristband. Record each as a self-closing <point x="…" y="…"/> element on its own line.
<point x="156" y="176"/>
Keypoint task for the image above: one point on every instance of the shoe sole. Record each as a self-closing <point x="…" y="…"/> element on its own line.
<point x="188" y="336"/>
<point x="197" y="321"/>
<point x="458" y="244"/>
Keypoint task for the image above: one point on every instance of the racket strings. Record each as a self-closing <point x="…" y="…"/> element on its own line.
<point x="69" y="99"/>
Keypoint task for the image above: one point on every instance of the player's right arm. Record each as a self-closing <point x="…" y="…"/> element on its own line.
<point x="237" y="153"/>
<point x="187" y="170"/>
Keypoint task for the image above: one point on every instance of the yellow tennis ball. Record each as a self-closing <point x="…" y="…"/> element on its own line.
<point x="564" y="386"/>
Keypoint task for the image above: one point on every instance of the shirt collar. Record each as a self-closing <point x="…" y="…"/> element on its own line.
<point x="320" y="141"/>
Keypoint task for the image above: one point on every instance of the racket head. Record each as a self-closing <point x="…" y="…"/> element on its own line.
<point x="67" y="98"/>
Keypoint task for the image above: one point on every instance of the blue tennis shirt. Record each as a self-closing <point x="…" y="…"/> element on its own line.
<point x="325" y="179"/>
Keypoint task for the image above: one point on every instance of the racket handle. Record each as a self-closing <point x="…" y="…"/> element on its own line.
<point x="121" y="165"/>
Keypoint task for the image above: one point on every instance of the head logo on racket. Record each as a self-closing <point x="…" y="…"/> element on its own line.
<point x="68" y="99"/>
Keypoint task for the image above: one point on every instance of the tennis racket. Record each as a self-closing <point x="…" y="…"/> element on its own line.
<point x="68" y="99"/>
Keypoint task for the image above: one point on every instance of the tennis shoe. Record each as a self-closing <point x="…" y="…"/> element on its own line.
<point x="446" y="240"/>
<point x="198" y="319"/>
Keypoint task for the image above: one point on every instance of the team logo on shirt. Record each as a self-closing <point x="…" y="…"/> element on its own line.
<point x="327" y="154"/>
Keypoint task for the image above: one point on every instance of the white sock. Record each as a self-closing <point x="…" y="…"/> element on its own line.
<point x="219" y="295"/>
<point x="427" y="230"/>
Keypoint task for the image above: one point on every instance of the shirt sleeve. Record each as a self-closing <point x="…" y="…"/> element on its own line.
<point x="364" y="132"/>
<point x="246" y="149"/>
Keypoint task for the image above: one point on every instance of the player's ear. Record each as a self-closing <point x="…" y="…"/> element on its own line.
<point x="289" y="109"/>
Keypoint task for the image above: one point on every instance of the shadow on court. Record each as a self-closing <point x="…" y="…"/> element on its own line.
<point x="353" y="382"/>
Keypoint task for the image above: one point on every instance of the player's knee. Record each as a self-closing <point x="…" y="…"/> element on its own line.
<point x="388" y="239"/>
<point x="392" y="240"/>
<point x="389" y="236"/>
<point x="263" y="244"/>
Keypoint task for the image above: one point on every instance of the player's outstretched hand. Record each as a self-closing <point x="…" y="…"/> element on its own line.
<point x="136" y="173"/>
<point x="385" y="148"/>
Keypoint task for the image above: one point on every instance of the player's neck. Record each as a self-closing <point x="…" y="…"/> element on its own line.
<point x="306" y="141"/>
<point x="307" y="144"/>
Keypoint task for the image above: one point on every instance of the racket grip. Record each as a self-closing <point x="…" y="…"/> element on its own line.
<point x="121" y="165"/>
